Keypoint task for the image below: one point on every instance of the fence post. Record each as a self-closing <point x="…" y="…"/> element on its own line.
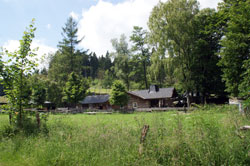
<point x="143" y="138"/>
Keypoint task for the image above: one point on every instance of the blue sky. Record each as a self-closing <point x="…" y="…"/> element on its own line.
<point x="50" y="16"/>
<point x="98" y="21"/>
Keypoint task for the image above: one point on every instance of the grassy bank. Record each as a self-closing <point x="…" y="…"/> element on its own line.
<point x="203" y="137"/>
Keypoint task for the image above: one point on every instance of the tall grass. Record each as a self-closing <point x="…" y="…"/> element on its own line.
<point x="208" y="136"/>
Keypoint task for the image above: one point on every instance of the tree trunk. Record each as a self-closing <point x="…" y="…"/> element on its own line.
<point x="20" y="99"/>
<point x="188" y="100"/>
<point x="10" y="118"/>
<point x="145" y="74"/>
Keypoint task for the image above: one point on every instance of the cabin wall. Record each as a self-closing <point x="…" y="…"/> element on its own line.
<point x="141" y="103"/>
<point x="100" y="106"/>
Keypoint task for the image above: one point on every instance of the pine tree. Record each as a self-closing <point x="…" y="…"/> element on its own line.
<point x="69" y="42"/>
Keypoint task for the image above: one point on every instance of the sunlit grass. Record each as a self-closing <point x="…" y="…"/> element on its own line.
<point x="202" y="137"/>
<point x="98" y="90"/>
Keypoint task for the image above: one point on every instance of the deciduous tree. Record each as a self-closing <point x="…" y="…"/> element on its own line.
<point x="75" y="89"/>
<point x="119" y="95"/>
<point x="15" y="72"/>
<point x="207" y="74"/>
<point x="141" y="51"/>
<point x="122" y="60"/>
<point x="172" y="26"/>
<point x="235" y="43"/>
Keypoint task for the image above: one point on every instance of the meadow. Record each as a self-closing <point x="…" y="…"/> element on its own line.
<point x="208" y="136"/>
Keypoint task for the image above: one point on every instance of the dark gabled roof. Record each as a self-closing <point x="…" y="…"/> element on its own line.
<point x="95" y="99"/>
<point x="146" y="94"/>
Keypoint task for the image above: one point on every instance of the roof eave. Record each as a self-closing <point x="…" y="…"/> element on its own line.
<point x="136" y="95"/>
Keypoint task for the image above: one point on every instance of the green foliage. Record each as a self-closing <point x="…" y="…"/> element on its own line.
<point x="122" y="60"/>
<point x="207" y="75"/>
<point x="38" y="90"/>
<point x="69" y="42"/>
<point x="119" y="95"/>
<point x="75" y="89"/>
<point x="30" y="126"/>
<point x="173" y="29"/>
<point x="94" y="65"/>
<point x="159" y="69"/>
<point x="141" y="52"/>
<point x="235" y="45"/>
<point x="105" y="62"/>
<point x="245" y="84"/>
<point x="54" y="92"/>
<point x="108" y="79"/>
<point x="58" y="68"/>
<point x="15" y="73"/>
<point x="67" y="59"/>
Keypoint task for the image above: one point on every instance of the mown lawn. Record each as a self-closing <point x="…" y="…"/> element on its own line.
<point x="209" y="136"/>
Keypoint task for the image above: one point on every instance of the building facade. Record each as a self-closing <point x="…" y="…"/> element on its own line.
<point x="152" y="98"/>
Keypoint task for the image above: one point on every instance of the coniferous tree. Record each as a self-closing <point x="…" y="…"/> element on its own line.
<point x="94" y="65"/>
<point x="69" y="42"/>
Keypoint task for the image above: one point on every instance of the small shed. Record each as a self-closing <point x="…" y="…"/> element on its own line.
<point x="96" y="102"/>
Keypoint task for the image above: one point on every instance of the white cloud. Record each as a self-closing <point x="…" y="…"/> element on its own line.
<point x="42" y="52"/>
<point x="104" y="21"/>
<point x="209" y="3"/>
<point x="74" y="15"/>
<point x="49" y="26"/>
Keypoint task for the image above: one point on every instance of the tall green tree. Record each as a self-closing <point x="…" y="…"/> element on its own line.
<point x="69" y="42"/>
<point x="15" y="72"/>
<point x="141" y="51"/>
<point x="122" y="60"/>
<point x="119" y="95"/>
<point x="173" y="29"/>
<point x="66" y="60"/>
<point x="75" y="89"/>
<point x="235" y="43"/>
<point x="207" y="75"/>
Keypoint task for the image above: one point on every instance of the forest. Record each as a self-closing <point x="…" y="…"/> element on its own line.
<point x="196" y="51"/>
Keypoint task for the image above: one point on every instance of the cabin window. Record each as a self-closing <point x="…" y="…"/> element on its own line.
<point x="134" y="104"/>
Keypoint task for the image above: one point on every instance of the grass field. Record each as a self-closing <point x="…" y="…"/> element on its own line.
<point x="99" y="90"/>
<point x="203" y="137"/>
